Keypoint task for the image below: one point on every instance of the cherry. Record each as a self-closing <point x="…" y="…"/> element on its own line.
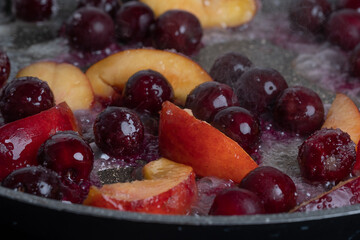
<point x="133" y="22"/>
<point x="310" y="15"/>
<point x="299" y="110"/>
<point x="146" y="90"/>
<point x="179" y="30"/>
<point x="109" y="6"/>
<point x="33" y="10"/>
<point x="229" y="67"/>
<point x="118" y="131"/>
<point x="5" y="67"/>
<point x="236" y="201"/>
<point x="258" y="88"/>
<point x="90" y="29"/>
<point x="240" y="125"/>
<point x="208" y="98"/>
<point x="327" y="155"/>
<point x="25" y="96"/>
<point x="36" y="180"/>
<point x="276" y="190"/>
<point x="354" y="62"/>
<point x="67" y="154"/>
<point x="343" y="28"/>
<point x="354" y="4"/>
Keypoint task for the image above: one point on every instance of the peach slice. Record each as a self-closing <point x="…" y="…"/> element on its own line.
<point x="114" y="71"/>
<point x="167" y="188"/>
<point x="67" y="82"/>
<point x="345" y="115"/>
<point x="187" y="140"/>
<point x="211" y="13"/>
<point x="344" y="194"/>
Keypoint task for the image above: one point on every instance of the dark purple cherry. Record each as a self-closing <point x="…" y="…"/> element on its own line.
<point x="25" y="96"/>
<point x="343" y="28"/>
<point x="118" y="131"/>
<point x="146" y="90"/>
<point x="258" y="88"/>
<point x="67" y="154"/>
<point x="327" y="155"/>
<point x="5" y="67"/>
<point x="276" y="190"/>
<point x="240" y="125"/>
<point x="133" y="22"/>
<point x="310" y="15"/>
<point x="236" y="201"/>
<point x="36" y="180"/>
<point x="109" y="6"/>
<point x="299" y="110"/>
<point x="33" y="10"/>
<point x="90" y="29"/>
<point x="229" y="67"/>
<point x="208" y="98"/>
<point x="354" y="62"/>
<point x="354" y="4"/>
<point x="179" y="30"/>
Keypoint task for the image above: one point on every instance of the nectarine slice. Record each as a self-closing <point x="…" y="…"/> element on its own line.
<point x="167" y="188"/>
<point x="211" y="13"/>
<point x="345" y="115"/>
<point x="67" y="82"/>
<point x="114" y="71"/>
<point x="187" y="140"/>
<point x="20" y="140"/>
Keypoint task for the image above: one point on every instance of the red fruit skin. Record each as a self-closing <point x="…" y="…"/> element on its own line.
<point x="21" y="139"/>
<point x="344" y="194"/>
<point x="164" y="203"/>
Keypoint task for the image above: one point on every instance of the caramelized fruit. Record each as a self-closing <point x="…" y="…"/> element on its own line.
<point x="109" y="6"/>
<point x="25" y="96"/>
<point x="327" y="155"/>
<point x="33" y="10"/>
<point x="5" y="67"/>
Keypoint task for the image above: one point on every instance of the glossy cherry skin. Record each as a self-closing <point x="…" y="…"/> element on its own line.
<point x="299" y="110"/>
<point x="310" y="15"/>
<point x="5" y="67"/>
<point x="36" y="180"/>
<point x="25" y="96"/>
<point x="258" y="88"/>
<point x="327" y="155"/>
<point x="146" y="90"/>
<point x="208" y="98"/>
<point x="240" y="125"/>
<point x="276" y="190"/>
<point x="67" y="154"/>
<point x="118" y="131"/>
<point x="343" y="28"/>
<point x="236" y="201"/>
<point x="109" y="6"/>
<point x="133" y="22"/>
<point x="90" y="29"/>
<point x="33" y="10"/>
<point x="229" y="67"/>
<point x="179" y="30"/>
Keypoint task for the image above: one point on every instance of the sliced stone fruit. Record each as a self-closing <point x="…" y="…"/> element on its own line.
<point x="168" y="188"/>
<point x="188" y="140"/>
<point x="211" y="13"/>
<point x="67" y="82"/>
<point x="110" y="75"/>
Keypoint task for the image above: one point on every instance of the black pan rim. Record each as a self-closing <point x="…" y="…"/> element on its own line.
<point x="264" y="219"/>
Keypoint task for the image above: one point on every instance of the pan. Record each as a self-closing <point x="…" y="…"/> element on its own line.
<point x="24" y="215"/>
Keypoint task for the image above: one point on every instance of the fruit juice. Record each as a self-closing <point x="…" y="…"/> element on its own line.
<point x="267" y="40"/>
